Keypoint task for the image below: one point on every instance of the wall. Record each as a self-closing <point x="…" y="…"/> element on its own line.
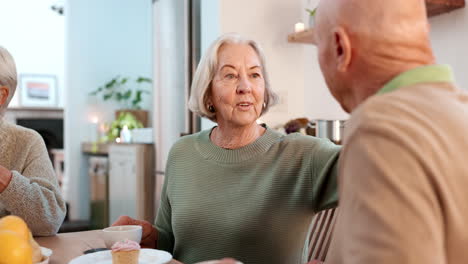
<point x="103" y="38"/>
<point x="320" y="104"/>
<point x="449" y="36"/>
<point x="34" y="35"/>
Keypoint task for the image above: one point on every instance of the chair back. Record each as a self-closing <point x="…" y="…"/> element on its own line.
<point x="321" y="234"/>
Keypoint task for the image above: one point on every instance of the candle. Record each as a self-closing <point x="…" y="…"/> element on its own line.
<point x="299" y="27"/>
<point x="94" y="129"/>
<point x="125" y="135"/>
<point x="103" y="129"/>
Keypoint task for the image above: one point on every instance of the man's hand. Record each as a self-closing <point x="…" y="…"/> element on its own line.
<point x="5" y="178"/>
<point x="149" y="234"/>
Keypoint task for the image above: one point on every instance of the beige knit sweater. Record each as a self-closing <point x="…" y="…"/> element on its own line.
<point x="33" y="192"/>
<point x="403" y="179"/>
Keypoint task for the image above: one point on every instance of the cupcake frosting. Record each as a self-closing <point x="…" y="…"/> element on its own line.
<point x="126" y="245"/>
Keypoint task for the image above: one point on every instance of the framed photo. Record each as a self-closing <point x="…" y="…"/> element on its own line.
<point x="37" y="90"/>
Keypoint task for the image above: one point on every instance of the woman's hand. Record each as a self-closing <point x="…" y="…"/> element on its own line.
<point x="5" y="178"/>
<point x="149" y="234"/>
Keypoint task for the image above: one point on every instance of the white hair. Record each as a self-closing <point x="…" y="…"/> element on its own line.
<point x="8" y="77"/>
<point x="206" y="70"/>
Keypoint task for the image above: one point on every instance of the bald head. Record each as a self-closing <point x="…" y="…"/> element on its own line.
<point x="365" y="43"/>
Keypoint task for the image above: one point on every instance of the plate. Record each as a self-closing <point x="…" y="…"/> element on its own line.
<point x="147" y="256"/>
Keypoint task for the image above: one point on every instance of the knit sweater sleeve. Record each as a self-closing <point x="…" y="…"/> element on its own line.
<point x="324" y="170"/>
<point x="164" y="217"/>
<point x="33" y="193"/>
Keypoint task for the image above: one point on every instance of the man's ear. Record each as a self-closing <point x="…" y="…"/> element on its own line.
<point x="4" y="92"/>
<point x="342" y="49"/>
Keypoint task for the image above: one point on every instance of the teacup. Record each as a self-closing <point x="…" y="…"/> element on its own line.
<point x="118" y="233"/>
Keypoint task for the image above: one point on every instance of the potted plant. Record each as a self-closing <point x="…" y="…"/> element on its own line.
<point x="311" y="16"/>
<point x="127" y="92"/>
<point x="125" y="120"/>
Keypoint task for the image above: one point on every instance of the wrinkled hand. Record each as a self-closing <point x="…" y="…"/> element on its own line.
<point x="149" y="234"/>
<point x="315" y="262"/>
<point x="222" y="261"/>
<point x="5" y="178"/>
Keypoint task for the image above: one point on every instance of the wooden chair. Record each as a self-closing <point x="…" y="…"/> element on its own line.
<point x="321" y="234"/>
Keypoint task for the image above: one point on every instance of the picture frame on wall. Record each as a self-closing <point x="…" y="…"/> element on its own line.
<point x="37" y="90"/>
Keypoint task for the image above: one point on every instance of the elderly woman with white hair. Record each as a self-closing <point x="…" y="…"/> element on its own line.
<point x="240" y="189"/>
<point x="28" y="186"/>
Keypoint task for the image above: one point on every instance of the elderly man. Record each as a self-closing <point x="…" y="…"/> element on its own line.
<point x="403" y="172"/>
<point x="28" y="186"/>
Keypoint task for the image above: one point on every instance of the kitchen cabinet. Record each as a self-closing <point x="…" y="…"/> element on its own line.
<point x="131" y="181"/>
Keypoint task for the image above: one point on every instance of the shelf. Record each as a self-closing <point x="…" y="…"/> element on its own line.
<point x="95" y="148"/>
<point x="307" y="36"/>
<point x="437" y="7"/>
<point x="29" y="108"/>
<point x="434" y="8"/>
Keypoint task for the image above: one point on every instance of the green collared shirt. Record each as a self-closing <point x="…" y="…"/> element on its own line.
<point x="431" y="73"/>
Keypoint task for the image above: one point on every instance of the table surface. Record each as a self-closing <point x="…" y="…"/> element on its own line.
<point x="67" y="246"/>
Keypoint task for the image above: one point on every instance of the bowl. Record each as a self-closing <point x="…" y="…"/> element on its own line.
<point x="118" y="233"/>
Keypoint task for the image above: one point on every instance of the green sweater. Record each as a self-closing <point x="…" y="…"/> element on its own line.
<point x="254" y="203"/>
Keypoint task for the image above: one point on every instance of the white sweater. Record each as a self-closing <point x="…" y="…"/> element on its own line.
<point x="33" y="192"/>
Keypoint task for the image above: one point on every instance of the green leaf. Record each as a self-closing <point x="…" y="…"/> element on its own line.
<point x="124" y="80"/>
<point x="127" y="94"/>
<point x="107" y="96"/>
<point x="137" y="99"/>
<point x="119" y="96"/>
<point x="111" y="83"/>
<point x="311" y="11"/>
<point x="143" y="79"/>
<point x="96" y="91"/>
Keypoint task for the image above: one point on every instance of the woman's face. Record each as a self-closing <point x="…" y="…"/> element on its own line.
<point x="238" y="87"/>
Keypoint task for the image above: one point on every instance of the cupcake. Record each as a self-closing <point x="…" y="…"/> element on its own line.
<point x="125" y="252"/>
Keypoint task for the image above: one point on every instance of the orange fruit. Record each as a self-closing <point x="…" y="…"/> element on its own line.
<point x="15" y="224"/>
<point x="14" y="249"/>
<point x="36" y="250"/>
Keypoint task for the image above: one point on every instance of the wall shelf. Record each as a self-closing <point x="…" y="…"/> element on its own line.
<point x="437" y="7"/>
<point x="434" y="7"/>
<point x="307" y="37"/>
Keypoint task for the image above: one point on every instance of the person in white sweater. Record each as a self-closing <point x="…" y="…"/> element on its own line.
<point x="28" y="185"/>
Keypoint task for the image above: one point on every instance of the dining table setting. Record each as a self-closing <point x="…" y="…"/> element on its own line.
<point x="78" y="247"/>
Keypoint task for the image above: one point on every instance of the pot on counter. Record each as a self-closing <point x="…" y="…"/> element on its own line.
<point x="331" y="129"/>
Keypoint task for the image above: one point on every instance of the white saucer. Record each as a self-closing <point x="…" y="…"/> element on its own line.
<point x="147" y="256"/>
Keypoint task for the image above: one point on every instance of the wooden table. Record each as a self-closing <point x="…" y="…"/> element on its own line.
<point x="67" y="246"/>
